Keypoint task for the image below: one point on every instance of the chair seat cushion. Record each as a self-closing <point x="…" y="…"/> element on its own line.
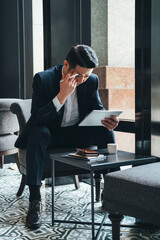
<point x="7" y="142"/>
<point x="134" y="192"/>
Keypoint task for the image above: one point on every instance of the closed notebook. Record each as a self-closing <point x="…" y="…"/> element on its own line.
<point x="80" y="157"/>
<point x="87" y="152"/>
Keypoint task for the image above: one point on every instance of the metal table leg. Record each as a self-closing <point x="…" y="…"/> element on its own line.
<point x="53" y="184"/>
<point x="92" y="204"/>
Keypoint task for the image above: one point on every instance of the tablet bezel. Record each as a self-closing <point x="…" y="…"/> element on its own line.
<point x="94" y="118"/>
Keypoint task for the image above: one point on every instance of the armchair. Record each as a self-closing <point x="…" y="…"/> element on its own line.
<point x="22" y="109"/>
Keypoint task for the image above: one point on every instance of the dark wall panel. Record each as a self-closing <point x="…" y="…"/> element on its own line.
<point x="65" y="23"/>
<point x="9" y="74"/>
<point x="143" y="76"/>
<point x="62" y="29"/>
<point x="16" y="52"/>
<point x="155" y="77"/>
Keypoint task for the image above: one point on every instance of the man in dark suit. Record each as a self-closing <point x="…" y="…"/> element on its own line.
<point x="60" y="101"/>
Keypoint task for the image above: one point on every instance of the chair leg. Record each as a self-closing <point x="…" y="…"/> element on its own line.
<point x="16" y="157"/>
<point x="1" y="161"/>
<point x="98" y="178"/>
<point x="22" y="185"/>
<point x="115" y="219"/>
<point x="76" y="181"/>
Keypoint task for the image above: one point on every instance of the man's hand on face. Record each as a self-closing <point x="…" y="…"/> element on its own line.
<point x="110" y="123"/>
<point x="67" y="87"/>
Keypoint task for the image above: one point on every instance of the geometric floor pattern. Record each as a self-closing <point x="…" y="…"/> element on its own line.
<point x="70" y="204"/>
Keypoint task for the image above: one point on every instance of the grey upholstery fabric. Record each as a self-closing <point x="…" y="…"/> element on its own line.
<point x="23" y="111"/>
<point x="134" y="192"/>
<point x="8" y="121"/>
<point x="5" y="103"/>
<point x="8" y="126"/>
<point x="7" y="142"/>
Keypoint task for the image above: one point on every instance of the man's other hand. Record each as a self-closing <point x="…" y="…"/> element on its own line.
<point x="110" y="123"/>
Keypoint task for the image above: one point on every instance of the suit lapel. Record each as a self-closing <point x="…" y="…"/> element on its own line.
<point x="57" y="78"/>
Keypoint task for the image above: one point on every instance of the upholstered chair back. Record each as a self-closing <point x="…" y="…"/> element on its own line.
<point x="8" y="121"/>
<point x="22" y="109"/>
<point x="8" y="128"/>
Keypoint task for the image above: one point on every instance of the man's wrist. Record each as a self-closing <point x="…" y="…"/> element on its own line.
<point x="57" y="103"/>
<point x="60" y="99"/>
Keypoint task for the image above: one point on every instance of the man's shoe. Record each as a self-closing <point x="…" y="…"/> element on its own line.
<point x="33" y="219"/>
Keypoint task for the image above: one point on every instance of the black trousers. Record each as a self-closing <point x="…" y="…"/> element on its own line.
<point x="41" y="138"/>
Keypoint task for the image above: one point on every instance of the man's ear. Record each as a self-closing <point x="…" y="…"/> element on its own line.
<point x="66" y="66"/>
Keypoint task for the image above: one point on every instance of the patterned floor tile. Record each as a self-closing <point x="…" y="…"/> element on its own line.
<point x="70" y="204"/>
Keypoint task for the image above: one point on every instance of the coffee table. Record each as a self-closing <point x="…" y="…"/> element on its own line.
<point x="121" y="158"/>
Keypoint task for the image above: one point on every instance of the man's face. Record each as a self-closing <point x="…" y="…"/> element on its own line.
<point x="84" y="74"/>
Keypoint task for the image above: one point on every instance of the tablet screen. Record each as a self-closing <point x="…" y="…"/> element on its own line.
<point x="95" y="117"/>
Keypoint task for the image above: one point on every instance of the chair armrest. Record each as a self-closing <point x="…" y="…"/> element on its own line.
<point x="22" y="109"/>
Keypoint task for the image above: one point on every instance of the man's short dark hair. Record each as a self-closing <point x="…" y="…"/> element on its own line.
<point x="82" y="55"/>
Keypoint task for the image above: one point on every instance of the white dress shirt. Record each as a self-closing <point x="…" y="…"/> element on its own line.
<point x="71" y="111"/>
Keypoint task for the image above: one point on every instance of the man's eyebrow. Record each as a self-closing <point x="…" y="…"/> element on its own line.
<point x="87" y="75"/>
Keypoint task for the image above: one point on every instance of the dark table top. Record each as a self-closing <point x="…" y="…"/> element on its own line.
<point x="121" y="158"/>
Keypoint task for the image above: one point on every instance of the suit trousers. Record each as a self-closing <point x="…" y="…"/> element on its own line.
<point x="42" y="138"/>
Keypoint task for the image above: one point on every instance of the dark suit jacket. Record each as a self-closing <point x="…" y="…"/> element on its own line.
<point x="46" y="86"/>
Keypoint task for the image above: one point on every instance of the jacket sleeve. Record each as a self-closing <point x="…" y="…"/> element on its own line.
<point x="43" y="109"/>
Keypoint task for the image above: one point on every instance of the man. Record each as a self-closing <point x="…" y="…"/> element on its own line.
<point x="62" y="96"/>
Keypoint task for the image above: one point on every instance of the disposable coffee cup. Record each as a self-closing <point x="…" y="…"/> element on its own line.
<point x="112" y="148"/>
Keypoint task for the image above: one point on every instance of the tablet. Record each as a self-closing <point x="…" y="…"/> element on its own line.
<point x="95" y="117"/>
